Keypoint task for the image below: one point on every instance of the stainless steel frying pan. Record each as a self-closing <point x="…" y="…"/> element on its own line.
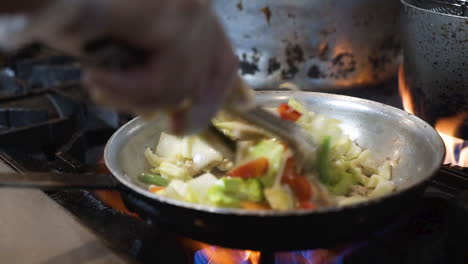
<point x="415" y="149"/>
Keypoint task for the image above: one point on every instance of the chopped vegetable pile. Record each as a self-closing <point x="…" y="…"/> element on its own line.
<point x="262" y="174"/>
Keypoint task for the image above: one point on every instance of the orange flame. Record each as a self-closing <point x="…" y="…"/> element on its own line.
<point x="456" y="153"/>
<point x="405" y="93"/>
<point x="218" y="255"/>
<point x="447" y="128"/>
<point x="112" y="199"/>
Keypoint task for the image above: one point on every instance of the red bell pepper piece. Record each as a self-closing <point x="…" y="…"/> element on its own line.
<point x="286" y="112"/>
<point x="298" y="183"/>
<point x="305" y="204"/>
<point x="253" y="169"/>
<point x="301" y="187"/>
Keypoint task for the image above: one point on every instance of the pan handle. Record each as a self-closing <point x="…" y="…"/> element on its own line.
<point x="57" y="181"/>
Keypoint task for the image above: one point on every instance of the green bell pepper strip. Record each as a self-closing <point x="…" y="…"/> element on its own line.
<point x="151" y="178"/>
<point x="334" y="176"/>
<point x="324" y="161"/>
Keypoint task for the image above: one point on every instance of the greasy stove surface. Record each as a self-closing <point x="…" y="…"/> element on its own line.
<point x="57" y="133"/>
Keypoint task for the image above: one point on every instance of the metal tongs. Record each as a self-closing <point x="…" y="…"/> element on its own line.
<point x="241" y="103"/>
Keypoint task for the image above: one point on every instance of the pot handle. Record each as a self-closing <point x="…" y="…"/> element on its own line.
<point x="57" y="181"/>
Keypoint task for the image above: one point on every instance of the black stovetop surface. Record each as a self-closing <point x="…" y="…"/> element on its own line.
<point x="434" y="233"/>
<point x="72" y="135"/>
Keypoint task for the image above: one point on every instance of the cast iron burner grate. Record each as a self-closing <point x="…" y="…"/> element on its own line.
<point x="452" y="179"/>
<point x="42" y="127"/>
<point x="57" y="134"/>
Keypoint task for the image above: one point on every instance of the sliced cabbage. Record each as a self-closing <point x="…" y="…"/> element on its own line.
<point x="374" y="180"/>
<point x="353" y="151"/>
<point x="171" y="171"/>
<point x="351" y="200"/>
<point x="200" y="185"/>
<point x="385" y="170"/>
<point x="179" y="190"/>
<point x="225" y="165"/>
<point x="187" y="147"/>
<point x="280" y="197"/>
<point x="203" y="155"/>
<point x="298" y="106"/>
<point x="359" y="176"/>
<point x="152" y="158"/>
<point x="366" y="162"/>
<point x="322" y="126"/>
<point x="383" y="187"/>
<point x="340" y="147"/>
<point x="175" y="150"/>
<point x="169" y="146"/>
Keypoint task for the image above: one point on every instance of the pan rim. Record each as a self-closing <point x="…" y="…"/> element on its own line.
<point x="288" y="213"/>
<point x="408" y="4"/>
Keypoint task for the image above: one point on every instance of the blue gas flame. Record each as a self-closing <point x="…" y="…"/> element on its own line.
<point x="318" y="256"/>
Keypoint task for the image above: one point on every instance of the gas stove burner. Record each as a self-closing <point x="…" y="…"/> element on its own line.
<point x="452" y="179"/>
<point x="425" y="229"/>
<point x="218" y="255"/>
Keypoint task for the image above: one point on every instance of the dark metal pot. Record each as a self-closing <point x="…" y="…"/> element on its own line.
<point x="318" y="45"/>
<point x="435" y="43"/>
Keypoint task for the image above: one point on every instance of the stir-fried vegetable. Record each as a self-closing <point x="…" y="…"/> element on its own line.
<point x="324" y="162"/>
<point x="287" y="112"/>
<point x="152" y="178"/>
<point x="155" y="189"/>
<point x="280" y="197"/>
<point x="298" y="183"/>
<point x="262" y="175"/>
<point x="231" y="192"/>
<point x="253" y="169"/>
<point x="306" y="204"/>
<point x="271" y="150"/>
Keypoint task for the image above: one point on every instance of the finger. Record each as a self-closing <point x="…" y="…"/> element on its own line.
<point x="194" y="119"/>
